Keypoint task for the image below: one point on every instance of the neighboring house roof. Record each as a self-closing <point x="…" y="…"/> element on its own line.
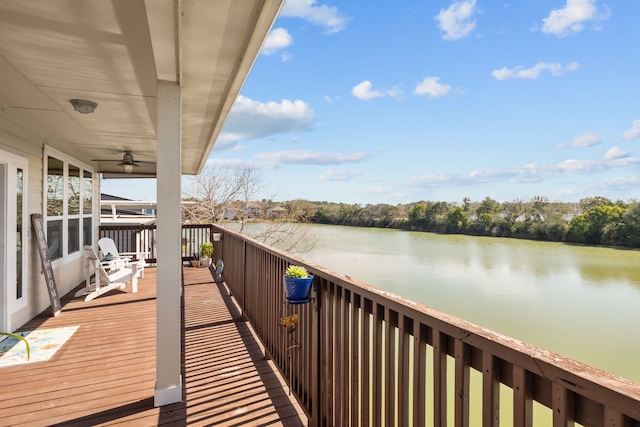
<point x="114" y="205"/>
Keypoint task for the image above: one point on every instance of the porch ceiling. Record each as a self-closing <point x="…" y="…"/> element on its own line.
<point x="113" y="52"/>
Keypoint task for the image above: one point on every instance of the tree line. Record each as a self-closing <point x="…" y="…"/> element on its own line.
<point x="594" y="220"/>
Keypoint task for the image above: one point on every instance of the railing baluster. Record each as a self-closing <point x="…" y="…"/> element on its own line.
<point x="344" y="362"/>
<point x="613" y="418"/>
<point x="461" y="384"/>
<point x="356" y="358"/>
<point x="562" y="406"/>
<point x="404" y="359"/>
<point x="329" y="374"/>
<point x="419" y="373"/>
<point x="439" y="379"/>
<point x="490" y="390"/>
<point x="338" y="350"/>
<point x="522" y="397"/>
<point x="367" y="362"/>
<point x="378" y="319"/>
<point x="391" y="368"/>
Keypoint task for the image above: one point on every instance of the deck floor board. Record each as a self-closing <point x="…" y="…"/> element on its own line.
<point x="105" y="373"/>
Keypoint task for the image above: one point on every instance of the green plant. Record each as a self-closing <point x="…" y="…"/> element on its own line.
<point x="206" y="250"/>
<point x="18" y="337"/>
<point x="296" y="272"/>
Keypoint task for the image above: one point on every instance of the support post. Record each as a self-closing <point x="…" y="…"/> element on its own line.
<point x="168" y="301"/>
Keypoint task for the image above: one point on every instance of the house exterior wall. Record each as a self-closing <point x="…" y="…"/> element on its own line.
<point x="21" y="138"/>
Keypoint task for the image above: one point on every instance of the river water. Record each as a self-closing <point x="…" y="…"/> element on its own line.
<point x="579" y="301"/>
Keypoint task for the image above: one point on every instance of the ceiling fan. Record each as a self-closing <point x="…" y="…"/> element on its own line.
<point x="127" y="163"/>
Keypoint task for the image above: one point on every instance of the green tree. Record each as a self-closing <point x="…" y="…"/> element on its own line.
<point x="483" y="224"/>
<point x="588" y="203"/>
<point x="457" y="220"/>
<point x="488" y="206"/>
<point x="591" y="226"/>
<point x="631" y="220"/>
<point x="553" y="228"/>
<point x="323" y="215"/>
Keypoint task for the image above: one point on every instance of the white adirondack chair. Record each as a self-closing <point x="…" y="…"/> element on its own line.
<point x="108" y="246"/>
<point x="105" y="281"/>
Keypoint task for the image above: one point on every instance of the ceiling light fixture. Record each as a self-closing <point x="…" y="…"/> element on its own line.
<point x="83" y="106"/>
<point x="127" y="162"/>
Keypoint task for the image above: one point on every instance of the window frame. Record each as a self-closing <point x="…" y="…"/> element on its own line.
<point x="65" y="216"/>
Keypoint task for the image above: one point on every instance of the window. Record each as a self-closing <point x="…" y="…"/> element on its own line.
<point x="55" y="199"/>
<point x="69" y="199"/>
<point x="87" y="202"/>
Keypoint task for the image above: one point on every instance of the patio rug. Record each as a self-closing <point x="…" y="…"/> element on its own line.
<point x="43" y="343"/>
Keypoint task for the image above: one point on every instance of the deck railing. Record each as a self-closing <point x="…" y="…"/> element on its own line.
<point x="142" y="238"/>
<point x="365" y="357"/>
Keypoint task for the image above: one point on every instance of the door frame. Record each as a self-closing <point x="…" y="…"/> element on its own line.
<point x="9" y="302"/>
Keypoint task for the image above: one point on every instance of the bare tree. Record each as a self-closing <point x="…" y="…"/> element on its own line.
<point x="225" y="193"/>
<point x="219" y="193"/>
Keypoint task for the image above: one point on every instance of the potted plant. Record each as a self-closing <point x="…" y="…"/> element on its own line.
<point x="297" y="284"/>
<point x="206" y="252"/>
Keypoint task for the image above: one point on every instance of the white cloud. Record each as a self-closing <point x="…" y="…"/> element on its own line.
<point x="251" y="119"/>
<point x="240" y="148"/>
<point x="364" y="92"/>
<point x="278" y="39"/>
<point x="632" y="133"/>
<point x="455" y="21"/>
<point x="232" y="163"/>
<point x="395" y="92"/>
<point x="616" y="153"/>
<point x="618" y="183"/>
<point x="572" y="17"/>
<point x="519" y="72"/>
<point x="306" y="157"/>
<point x="588" y="139"/>
<point x="325" y="16"/>
<point x="430" y="86"/>
<point x="531" y="173"/>
<point x="339" y="175"/>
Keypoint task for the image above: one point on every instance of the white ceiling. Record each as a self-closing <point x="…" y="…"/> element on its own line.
<point x="113" y="52"/>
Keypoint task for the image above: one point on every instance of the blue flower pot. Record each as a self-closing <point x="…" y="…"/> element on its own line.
<point x="296" y="290"/>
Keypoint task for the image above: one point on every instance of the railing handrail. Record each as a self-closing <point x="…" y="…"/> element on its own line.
<point x="327" y="379"/>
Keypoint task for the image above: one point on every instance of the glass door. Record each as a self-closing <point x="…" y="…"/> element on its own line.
<point x="13" y="237"/>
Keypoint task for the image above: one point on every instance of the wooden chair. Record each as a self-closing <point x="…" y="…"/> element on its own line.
<point x="117" y="277"/>
<point x="108" y="246"/>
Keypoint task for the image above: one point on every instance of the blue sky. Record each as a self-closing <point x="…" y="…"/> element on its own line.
<point x="394" y="102"/>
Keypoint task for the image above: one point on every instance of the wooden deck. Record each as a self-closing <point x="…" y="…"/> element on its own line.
<point x="105" y="373"/>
